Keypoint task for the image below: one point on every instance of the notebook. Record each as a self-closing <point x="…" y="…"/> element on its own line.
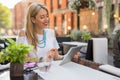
<point x="69" y="55"/>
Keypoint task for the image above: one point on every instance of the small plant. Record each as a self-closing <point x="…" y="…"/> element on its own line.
<point x="76" y="34"/>
<point x="15" y="52"/>
<point x="86" y="36"/>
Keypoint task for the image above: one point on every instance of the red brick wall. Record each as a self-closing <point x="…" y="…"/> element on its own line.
<point x="55" y="5"/>
<point x="59" y="12"/>
<point x="64" y="4"/>
<point x="59" y="24"/>
<point x="19" y="16"/>
<point x="43" y="1"/>
<point x="74" y="21"/>
<point x="51" y="21"/>
<point x="91" y="21"/>
<point x="48" y="4"/>
<point x="69" y="18"/>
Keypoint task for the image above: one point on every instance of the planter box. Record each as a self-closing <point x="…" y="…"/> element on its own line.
<point x="16" y="70"/>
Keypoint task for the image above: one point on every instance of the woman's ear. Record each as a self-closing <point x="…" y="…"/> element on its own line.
<point x="33" y="19"/>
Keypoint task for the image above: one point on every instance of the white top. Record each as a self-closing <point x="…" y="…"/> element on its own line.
<point x="51" y="42"/>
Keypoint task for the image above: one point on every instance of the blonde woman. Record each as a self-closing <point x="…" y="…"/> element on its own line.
<point x="38" y="35"/>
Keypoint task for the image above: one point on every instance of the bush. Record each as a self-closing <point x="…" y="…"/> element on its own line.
<point x="76" y="34"/>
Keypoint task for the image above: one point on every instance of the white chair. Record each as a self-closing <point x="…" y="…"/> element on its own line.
<point x="100" y="50"/>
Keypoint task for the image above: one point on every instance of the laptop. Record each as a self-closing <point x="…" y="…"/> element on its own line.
<point x="69" y="55"/>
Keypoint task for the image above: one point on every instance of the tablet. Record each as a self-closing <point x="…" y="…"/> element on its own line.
<point x="69" y="55"/>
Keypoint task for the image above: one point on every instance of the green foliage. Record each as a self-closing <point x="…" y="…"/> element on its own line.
<point x="4" y="17"/>
<point x="15" y="52"/>
<point x="75" y="34"/>
<point x="86" y="36"/>
<point x="77" y="4"/>
<point x="92" y="4"/>
<point x="118" y="33"/>
<point x="80" y="35"/>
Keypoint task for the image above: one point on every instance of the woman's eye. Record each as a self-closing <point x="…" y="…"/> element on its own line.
<point x="47" y="16"/>
<point x="41" y="17"/>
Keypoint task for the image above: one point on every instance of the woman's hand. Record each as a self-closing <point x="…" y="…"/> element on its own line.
<point x="57" y="56"/>
<point x="76" y="56"/>
<point x="50" y="55"/>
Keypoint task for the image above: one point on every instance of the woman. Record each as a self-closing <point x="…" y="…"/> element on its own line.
<point x="37" y="34"/>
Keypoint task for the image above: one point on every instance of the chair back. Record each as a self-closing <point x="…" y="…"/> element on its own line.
<point x="100" y="50"/>
<point x="63" y="39"/>
<point x="97" y="50"/>
<point x="89" y="53"/>
<point x="60" y="40"/>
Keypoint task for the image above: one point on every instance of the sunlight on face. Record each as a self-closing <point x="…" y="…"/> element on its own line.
<point x="42" y="19"/>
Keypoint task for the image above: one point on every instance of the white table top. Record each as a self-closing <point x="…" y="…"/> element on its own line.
<point x="74" y="71"/>
<point x="75" y="43"/>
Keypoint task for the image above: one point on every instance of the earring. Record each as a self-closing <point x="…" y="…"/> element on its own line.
<point x="33" y="23"/>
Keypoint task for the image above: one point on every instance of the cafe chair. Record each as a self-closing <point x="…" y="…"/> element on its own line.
<point x="60" y="40"/>
<point x="100" y="50"/>
<point x="97" y="50"/>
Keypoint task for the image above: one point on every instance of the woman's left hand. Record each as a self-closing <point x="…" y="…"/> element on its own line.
<point x="57" y="56"/>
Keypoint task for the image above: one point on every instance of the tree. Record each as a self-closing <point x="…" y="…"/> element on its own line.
<point x="106" y="14"/>
<point x="4" y="17"/>
<point x="81" y="4"/>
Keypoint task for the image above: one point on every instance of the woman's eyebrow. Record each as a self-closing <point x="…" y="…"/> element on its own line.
<point x="44" y="15"/>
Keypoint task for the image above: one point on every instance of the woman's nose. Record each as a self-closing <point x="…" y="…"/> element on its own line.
<point x="47" y="19"/>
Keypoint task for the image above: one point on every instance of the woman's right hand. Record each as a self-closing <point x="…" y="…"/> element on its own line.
<point x="50" y="55"/>
<point x="54" y="54"/>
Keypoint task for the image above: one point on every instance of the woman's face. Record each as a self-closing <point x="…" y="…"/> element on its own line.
<point x="41" y="19"/>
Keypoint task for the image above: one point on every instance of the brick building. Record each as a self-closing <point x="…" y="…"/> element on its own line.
<point x="62" y="19"/>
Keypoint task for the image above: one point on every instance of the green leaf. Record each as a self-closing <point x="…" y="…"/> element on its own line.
<point x="86" y="36"/>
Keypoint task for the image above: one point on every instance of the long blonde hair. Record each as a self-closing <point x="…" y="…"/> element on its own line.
<point x="30" y="30"/>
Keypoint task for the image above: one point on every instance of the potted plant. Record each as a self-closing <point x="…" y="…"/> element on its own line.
<point x="76" y="35"/>
<point x="86" y="36"/>
<point x="15" y="53"/>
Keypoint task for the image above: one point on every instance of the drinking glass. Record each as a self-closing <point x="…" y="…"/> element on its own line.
<point x="44" y="65"/>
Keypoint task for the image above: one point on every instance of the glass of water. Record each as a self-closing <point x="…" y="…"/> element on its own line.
<point x="44" y="65"/>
